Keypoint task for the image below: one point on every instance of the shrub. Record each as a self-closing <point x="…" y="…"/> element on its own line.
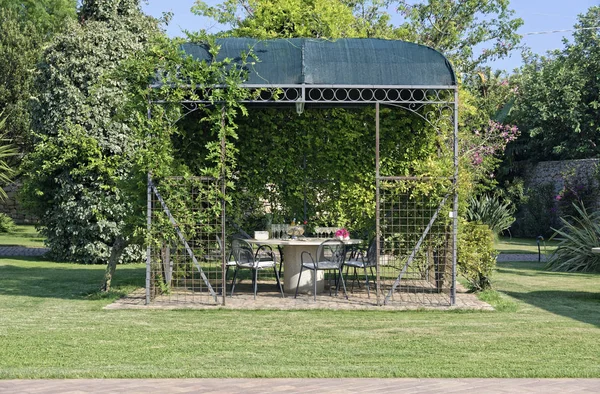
<point x="579" y="233"/>
<point x="6" y="223"/>
<point x="489" y="210"/>
<point x="538" y="212"/>
<point x="476" y="254"/>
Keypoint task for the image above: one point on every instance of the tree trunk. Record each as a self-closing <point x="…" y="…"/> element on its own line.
<point x="115" y="254"/>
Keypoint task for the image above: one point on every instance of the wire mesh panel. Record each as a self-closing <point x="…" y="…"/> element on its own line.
<point x="416" y="243"/>
<point x="185" y="241"/>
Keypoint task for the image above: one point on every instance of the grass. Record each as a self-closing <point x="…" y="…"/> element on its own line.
<point x="524" y="245"/>
<point x="53" y="326"/>
<point x="23" y="235"/>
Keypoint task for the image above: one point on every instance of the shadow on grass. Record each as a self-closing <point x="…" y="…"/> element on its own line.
<point x="578" y="305"/>
<point x="532" y="273"/>
<point x="61" y="280"/>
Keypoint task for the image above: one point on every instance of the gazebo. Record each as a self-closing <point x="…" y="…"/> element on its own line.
<point x="415" y="232"/>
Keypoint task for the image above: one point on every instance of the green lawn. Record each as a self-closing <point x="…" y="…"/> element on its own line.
<point x="53" y="326"/>
<point x="524" y="245"/>
<point x="23" y="235"/>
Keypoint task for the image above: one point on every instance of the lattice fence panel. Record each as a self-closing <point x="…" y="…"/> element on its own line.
<point x="186" y="256"/>
<point x="416" y="243"/>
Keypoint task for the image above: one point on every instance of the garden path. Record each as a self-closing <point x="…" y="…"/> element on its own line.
<point x="352" y="385"/>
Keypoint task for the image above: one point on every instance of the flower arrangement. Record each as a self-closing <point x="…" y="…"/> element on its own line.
<point x="342" y="234"/>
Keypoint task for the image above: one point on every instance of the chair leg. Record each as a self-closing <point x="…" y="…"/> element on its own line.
<point x="367" y="282"/>
<point x="315" y="283"/>
<point x="347" y="270"/>
<point x="298" y="285"/>
<point x="277" y="276"/>
<point x="354" y="280"/>
<point x="255" y="282"/>
<point x="280" y="266"/>
<point x="278" y="281"/>
<point x="233" y="281"/>
<point x="343" y="284"/>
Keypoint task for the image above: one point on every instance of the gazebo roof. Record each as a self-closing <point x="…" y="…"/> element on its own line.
<point x="343" y="62"/>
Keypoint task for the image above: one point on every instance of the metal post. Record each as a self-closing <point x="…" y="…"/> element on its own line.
<point x="149" y="229"/>
<point x="223" y="190"/>
<point x="148" y="225"/>
<point x="455" y="205"/>
<point x="377" y="202"/>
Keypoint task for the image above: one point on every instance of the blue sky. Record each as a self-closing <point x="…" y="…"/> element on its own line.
<point x="538" y="15"/>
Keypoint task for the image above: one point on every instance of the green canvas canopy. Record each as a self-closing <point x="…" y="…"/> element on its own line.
<point x="343" y="62"/>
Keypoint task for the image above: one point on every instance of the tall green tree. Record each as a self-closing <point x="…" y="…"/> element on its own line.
<point x="7" y="151"/>
<point x="48" y="16"/>
<point x="457" y="27"/>
<point x="25" y="26"/>
<point x="83" y="135"/>
<point x="558" y="100"/>
<point x="283" y="18"/>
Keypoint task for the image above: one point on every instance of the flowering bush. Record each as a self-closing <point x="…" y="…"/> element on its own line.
<point x="491" y="140"/>
<point x="481" y="150"/>
<point x="342" y="234"/>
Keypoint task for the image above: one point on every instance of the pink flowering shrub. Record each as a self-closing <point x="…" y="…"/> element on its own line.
<point x="491" y="141"/>
<point x="482" y="149"/>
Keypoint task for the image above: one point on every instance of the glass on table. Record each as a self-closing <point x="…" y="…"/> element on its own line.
<point x="275" y="228"/>
<point x="284" y="231"/>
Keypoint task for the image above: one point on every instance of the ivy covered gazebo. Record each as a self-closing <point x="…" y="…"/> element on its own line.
<point x="413" y="207"/>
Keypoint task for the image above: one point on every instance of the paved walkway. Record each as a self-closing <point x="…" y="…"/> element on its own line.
<point x="22" y="251"/>
<point x="503" y="257"/>
<point x="249" y="386"/>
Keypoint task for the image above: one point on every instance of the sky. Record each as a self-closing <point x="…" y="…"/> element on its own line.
<point x="538" y="16"/>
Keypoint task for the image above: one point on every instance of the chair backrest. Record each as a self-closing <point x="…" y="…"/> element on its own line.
<point x="331" y="250"/>
<point x="242" y="252"/>
<point x="264" y="253"/>
<point x="371" y="260"/>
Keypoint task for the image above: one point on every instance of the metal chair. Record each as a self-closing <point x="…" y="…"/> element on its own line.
<point x="363" y="259"/>
<point x="245" y="258"/>
<point x="330" y="257"/>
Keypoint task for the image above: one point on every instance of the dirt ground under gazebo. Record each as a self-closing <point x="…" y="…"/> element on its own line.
<point x="269" y="298"/>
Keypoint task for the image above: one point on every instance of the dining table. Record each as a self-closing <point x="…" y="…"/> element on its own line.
<point x="292" y="252"/>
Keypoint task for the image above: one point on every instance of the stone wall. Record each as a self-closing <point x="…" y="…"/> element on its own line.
<point x="12" y="208"/>
<point x="555" y="172"/>
<point x="545" y="204"/>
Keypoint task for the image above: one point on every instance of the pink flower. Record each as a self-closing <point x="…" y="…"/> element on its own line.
<point x="342" y="234"/>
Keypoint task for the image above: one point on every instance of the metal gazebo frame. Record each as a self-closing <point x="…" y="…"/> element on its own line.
<point x="410" y="97"/>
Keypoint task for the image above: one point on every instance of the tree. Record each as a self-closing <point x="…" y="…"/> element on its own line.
<point x="84" y="141"/>
<point x="48" y="16"/>
<point x="282" y="18"/>
<point x="7" y="151"/>
<point x="457" y="27"/>
<point x="25" y="27"/>
<point x="558" y="98"/>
